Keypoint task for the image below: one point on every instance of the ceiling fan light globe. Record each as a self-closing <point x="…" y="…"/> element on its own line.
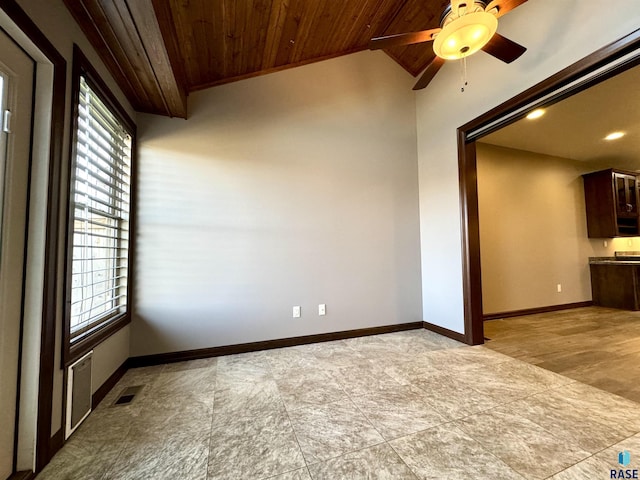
<point x="465" y="35"/>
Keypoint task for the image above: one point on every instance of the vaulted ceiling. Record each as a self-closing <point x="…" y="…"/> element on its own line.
<point x="161" y="50"/>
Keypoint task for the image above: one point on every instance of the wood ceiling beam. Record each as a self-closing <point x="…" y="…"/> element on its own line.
<point x="102" y="41"/>
<point x="172" y="88"/>
<point x="130" y="43"/>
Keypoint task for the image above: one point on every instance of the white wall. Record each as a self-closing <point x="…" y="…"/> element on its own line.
<point x="557" y="34"/>
<point x="57" y="24"/>
<point x="295" y="188"/>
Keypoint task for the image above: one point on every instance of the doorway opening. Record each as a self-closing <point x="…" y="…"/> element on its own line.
<point x="487" y="278"/>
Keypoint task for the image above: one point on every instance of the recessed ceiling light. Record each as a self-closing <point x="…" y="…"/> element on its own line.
<point x="537" y="113"/>
<point x="614" y="136"/>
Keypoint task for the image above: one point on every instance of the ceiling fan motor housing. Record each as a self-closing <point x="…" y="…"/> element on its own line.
<point x="465" y="30"/>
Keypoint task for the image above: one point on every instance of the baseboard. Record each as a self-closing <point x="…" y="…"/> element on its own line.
<point x="445" y="332"/>
<point x="161" y="358"/>
<point x="106" y="387"/>
<point x="533" y="311"/>
<point x="26" y="475"/>
<point x="56" y="442"/>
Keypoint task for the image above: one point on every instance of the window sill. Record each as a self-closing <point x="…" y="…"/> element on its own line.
<point x="74" y="351"/>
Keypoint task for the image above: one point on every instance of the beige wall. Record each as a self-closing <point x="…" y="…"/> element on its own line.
<point x="557" y="34"/>
<point x="54" y="20"/>
<point x="533" y="230"/>
<point x="295" y="188"/>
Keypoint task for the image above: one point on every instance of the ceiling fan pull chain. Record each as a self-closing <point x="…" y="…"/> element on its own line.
<point x="464" y="73"/>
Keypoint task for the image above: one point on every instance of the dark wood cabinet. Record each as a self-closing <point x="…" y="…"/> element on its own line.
<point x="626" y="194"/>
<point x="611" y="198"/>
<point x="616" y="285"/>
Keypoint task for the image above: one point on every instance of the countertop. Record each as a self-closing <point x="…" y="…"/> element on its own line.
<point x="613" y="261"/>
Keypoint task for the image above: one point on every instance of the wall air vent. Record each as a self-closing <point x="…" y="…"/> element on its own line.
<point x="78" y="393"/>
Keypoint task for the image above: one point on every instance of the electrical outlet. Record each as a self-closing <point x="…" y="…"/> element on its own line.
<point x="559" y="288"/>
<point x="297" y="311"/>
<point x="606" y="244"/>
<point x="322" y="309"/>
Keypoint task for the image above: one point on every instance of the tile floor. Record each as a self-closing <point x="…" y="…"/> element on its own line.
<point x="408" y="405"/>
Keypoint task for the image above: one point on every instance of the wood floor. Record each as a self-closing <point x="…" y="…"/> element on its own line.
<point x="595" y="345"/>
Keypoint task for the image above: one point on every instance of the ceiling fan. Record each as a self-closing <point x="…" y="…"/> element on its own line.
<point x="466" y="26"/>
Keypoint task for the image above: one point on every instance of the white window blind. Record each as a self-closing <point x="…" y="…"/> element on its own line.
<point x="101" y="188"/>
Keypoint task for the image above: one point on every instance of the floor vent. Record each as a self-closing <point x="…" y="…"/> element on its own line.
<point x="128" y="395"/>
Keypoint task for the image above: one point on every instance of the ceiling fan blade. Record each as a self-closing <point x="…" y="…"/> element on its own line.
<point x="503" y="49"/>
<point x="429" y="73"/>
<point x="402" y="39"/>
<point x="504" y="6"/>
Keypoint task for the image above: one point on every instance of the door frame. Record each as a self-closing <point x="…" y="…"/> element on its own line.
<point x="605" y="63"/>
<point x="45" y="448"/>
<point x="18" y="96"/>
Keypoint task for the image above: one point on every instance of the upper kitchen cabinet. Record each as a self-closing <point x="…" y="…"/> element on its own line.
<point x="611" y="198"/>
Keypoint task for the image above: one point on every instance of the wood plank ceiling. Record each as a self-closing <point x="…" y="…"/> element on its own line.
<point x="160" y="50"/>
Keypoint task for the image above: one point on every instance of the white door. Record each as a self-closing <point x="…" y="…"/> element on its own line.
<point x="16" y="96"/>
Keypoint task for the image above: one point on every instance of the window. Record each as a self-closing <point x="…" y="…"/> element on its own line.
<point x="98" y="263"/>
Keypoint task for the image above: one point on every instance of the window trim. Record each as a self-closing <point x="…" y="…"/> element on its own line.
<point x="72" y="352"/>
